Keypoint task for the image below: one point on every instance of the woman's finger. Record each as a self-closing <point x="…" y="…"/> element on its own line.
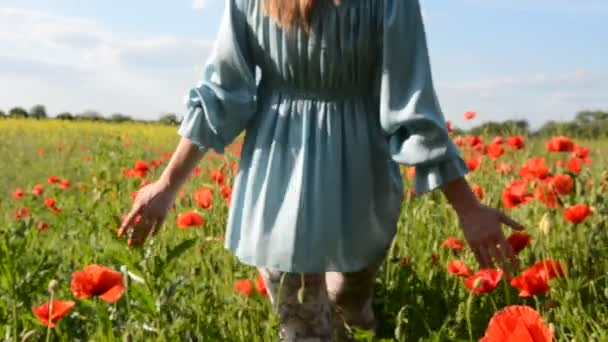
<point x="128" y="221"/>
<point x="500" y="259"/>
<point x="486" y="259"/>
<point x="141" y="231"/>
<point x="510" y="222"/>
<point x="508" y="253"/>
<point x="475" y="250"/>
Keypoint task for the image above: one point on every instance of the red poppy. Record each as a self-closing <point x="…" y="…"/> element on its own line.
<point x="535" y="280"/>
<point x="244" y="287"/>
<point x="141" y="166"/>
<point x="475" y="140"/>
<point x="53" y="311"/>
<point x="577" y="213"/>
<point x="459" y="268"/>
<point x="469" y="115"/>
<point x="37" y="190"/>
<point x="204" y="198"/>
<point x="64" y="184"/>
<point x="531" y="283"/>
<point x="473" y="163"/>
<point x="516" y="142"/>
<point x="410" y="173"/>
<point x="453" y="244"/>
<point x="484" y="281"/>
<point x="448" y="126"/>
<point x="226" y="192"/>
<point x="553" y="268"/>
<point x="18" y="194"/>
<point x="580" y="152"/>
<point x="575" y="165"/>
<point x="459" y="141"/>
<point x="517" y="323"/>
<point x="434" y="259"/>
<point x="41" y="152"/>
<point x="189" y="219"/>
<point x="99" y="281"/>
<point x="53" y="180"/>
<point x="261" y="286"/>
<point x="560" y="144"/>
<point x="42" y="226"/>
<point x="503" y="168"/>
<point x="217" y="176"/>
<point x="478" y="191"/>
<point x="561" y="183"/>
<point x="499" y="140"/>
<point x="519" y="241"/>
<point x="544" y="194"/>
<point x="21" y="213"/>
<point x="534" y="168"/>
<point x="515" y="194"/>
<point x="494" y="151"/>
<point x="196" y="172"/>
<point x="51" y="204"/>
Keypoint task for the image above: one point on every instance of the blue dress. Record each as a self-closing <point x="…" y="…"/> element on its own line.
<point x="334" y="112"/>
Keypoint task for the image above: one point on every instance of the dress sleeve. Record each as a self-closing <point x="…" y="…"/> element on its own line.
<point x="221" y="104"/>
<point x="409" y="111"/>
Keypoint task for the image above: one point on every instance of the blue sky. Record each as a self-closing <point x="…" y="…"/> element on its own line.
<point x="533" y="59"/>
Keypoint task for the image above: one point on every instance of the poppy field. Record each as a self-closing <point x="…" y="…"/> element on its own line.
<point x="65" y="275"/>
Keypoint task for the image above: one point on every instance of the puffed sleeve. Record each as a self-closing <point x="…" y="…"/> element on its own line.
<point x="220" y="106"/>
<point x="409" y="111"/>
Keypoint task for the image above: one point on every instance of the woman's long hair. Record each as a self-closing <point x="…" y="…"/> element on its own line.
<point x="290" y="13"/>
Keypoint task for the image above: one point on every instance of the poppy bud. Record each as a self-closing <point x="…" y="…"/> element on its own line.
<point x="545" y="224"/>
<point x="53" y="285"/>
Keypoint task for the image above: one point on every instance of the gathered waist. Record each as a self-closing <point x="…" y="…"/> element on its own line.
<point x="354" y="92"/>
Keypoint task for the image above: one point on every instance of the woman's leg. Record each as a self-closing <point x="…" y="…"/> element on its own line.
<point x="307" y="317"/>
<point x="351" y="294"/>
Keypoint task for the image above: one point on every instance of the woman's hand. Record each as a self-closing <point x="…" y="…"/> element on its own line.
<point x="482" y="227"/>
<point x="148" y="213"/>
<point x="154" y="201"/>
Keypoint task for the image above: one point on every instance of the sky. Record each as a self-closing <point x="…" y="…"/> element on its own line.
<point x="537" y="60"/>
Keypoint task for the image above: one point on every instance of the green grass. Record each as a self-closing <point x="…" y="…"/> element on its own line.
<point x="189" y="282"/>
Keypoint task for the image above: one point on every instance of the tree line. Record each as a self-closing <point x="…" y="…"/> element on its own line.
<point x="39" y="112"/>
<point x="589" y="124"/>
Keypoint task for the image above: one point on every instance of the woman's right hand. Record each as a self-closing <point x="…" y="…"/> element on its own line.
<point x="148" y="213"/>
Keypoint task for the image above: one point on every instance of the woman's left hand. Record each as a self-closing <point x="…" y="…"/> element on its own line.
<point x="482" y="228"/>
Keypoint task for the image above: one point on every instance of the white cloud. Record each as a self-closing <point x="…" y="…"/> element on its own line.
<point x="534" y="97"/>
<point x="200" y="4"/>
<point x="74" y="64"/>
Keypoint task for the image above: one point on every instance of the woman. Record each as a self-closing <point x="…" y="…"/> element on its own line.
<point x="345" y="94"/>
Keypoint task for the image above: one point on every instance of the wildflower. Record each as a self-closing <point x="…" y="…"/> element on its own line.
<point x="577" y="213"/>
<point x="189" y="219"/>
<point x="459" y="268"/>
<point x="484" y="281"/>
<point x="517" y="323"/>
<point x="50" y="317"/>
<point x="99" y="281"/>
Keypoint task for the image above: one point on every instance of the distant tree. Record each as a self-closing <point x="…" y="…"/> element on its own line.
<point x="2" y="115"/>
<point x="17" y="112"/>
<point x="168" y="119"/>
<point x="508" y="127"/>
<point x="118" y="117"/>
<point x="590" y="116"/>
<point x="90" y="115"/>
<point x="65" y="116"/>
<point x="38" y="112"/>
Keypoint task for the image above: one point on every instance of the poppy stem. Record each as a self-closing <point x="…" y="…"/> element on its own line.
<point x="468" y="316"/>
<point x="48" y="326"/>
